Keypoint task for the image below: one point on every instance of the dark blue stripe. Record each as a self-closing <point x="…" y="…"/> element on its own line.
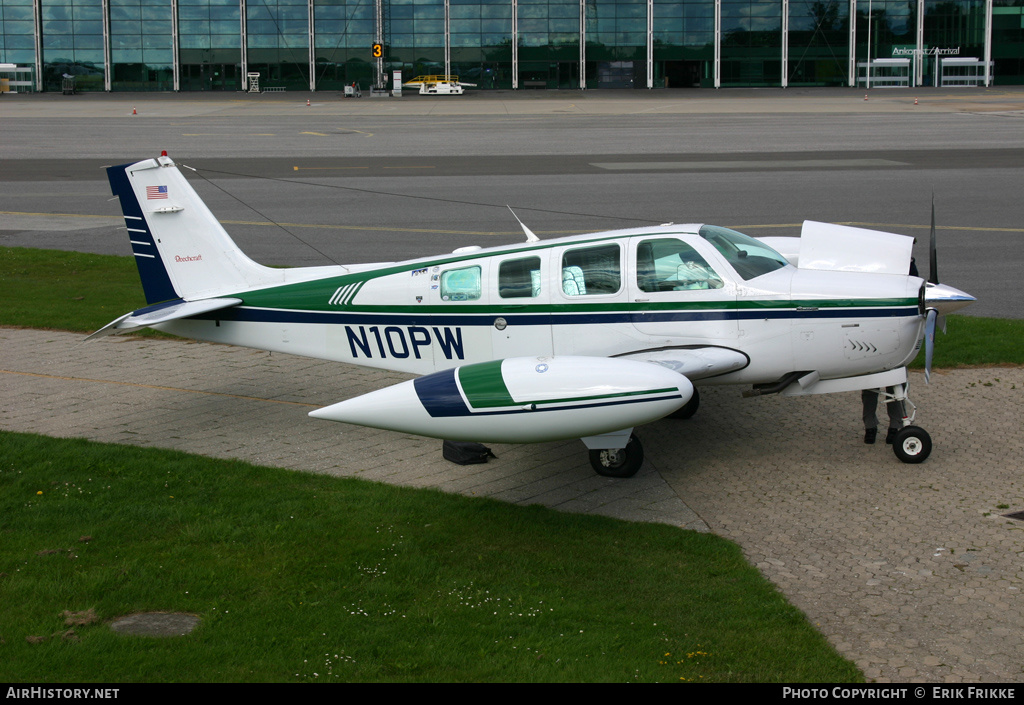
<point x="439" y="394"/>
<point x="263" y="315"/>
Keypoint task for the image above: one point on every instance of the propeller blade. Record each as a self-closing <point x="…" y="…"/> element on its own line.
<point x="933" y="265"/>
<point x="929" y="343"/>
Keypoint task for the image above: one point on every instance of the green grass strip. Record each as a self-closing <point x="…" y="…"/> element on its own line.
<point x="303" y="577"/>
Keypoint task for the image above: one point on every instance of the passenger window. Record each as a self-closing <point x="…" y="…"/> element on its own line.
<point x="671" y="265"/>
<point x="591" y="271"/>
<point x="461" y="284"/>
<point x="519" y="278"/>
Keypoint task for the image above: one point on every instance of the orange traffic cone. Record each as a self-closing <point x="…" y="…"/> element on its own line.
<point x="915" y="101"/>
<point x="307" y="102"/>
<point x="865" y="96"/>
<point x="133" y="111"/>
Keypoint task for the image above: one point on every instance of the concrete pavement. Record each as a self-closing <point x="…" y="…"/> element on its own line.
<point x="910" y="571"/>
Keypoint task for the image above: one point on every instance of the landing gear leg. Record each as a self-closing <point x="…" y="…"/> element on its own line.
<point x="912" y="444"/>
<point x="618" y="462"/>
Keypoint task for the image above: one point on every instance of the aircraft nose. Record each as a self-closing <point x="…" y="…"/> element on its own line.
<point x="946" y="299"/>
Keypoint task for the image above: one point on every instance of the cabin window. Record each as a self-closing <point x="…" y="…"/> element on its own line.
<point x="461" y="284"/>
<point x="669" y="264"/>
<point x="591" y="271"/>
<point x="749" y="257"/>
<point x="519" y="278"/>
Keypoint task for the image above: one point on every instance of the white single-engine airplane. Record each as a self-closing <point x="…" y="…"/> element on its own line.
<point x="576" y="337"/>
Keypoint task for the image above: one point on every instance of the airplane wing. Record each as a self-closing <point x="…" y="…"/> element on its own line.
<point x="695" y="362"/>
<point x="162" y="313"/>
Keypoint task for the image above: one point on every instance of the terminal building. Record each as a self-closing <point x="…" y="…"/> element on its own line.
<point x="316" y="45"/>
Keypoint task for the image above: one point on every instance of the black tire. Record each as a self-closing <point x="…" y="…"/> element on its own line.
<point x="688" y="409"/>
<point x="912" y="444"/>
<point x="618" y="462"/>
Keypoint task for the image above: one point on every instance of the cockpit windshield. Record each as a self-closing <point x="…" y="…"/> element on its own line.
<point x="749" y="257"/>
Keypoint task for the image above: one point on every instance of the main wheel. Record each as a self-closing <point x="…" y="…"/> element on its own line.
<point x="618" y="462"/>
<point x="688" y="409"/>
<point x="912" y="444"/>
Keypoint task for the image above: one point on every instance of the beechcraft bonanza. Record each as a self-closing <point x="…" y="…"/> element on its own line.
<point x="583" y="337"/>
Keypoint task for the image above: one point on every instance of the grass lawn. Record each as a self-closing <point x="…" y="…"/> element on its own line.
<point x="302" y="577"/>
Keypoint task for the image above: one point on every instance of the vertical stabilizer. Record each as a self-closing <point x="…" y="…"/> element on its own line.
<point x="181" y="250"/>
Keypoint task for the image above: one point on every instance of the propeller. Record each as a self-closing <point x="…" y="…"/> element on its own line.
<point x="939" y="299"/>
<point x="933" y="265"/>
<point x="929" y="343"/>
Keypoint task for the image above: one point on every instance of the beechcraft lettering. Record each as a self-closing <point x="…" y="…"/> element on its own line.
<point x="393" y="341"/>
<point x="585" y="336"/>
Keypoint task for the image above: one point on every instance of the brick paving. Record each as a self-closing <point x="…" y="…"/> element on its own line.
<point x="911" y="571"/>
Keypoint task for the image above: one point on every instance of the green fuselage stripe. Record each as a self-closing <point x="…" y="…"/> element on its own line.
<point x="484" y="386"/>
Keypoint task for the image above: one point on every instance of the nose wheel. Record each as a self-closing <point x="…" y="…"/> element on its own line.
<point x="912" y="444"/>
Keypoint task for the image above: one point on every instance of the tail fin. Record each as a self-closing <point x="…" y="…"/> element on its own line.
<point x="181" y="250"/>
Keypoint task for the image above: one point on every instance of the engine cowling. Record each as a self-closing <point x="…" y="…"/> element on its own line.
<point x="521" y="400"/>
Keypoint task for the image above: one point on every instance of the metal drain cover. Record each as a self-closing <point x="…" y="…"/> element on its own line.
<point x="156" y="624"/>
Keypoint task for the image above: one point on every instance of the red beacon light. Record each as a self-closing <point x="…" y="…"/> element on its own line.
<point x="163" y="152"/>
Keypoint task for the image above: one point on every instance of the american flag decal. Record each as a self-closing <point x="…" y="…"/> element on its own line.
<point x="154" y="192"/>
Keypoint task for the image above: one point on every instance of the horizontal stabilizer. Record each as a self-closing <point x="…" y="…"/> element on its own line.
<point x="162" y="313"/>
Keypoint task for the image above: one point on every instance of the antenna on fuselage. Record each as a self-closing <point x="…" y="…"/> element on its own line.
<point x="530" y="237"/>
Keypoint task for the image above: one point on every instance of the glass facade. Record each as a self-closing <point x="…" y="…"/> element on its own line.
<point x="199" y="45"/>
<point x="210" y="40"/>
<point x="818" y="42"/>
<point x="72" y="43"/>
<point x="17" y="32"/>
<point x="1008" y="37"/>
<point x="343" y="30"/>
<point x="684" y="43"/>
<point x="141" y="45"/>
